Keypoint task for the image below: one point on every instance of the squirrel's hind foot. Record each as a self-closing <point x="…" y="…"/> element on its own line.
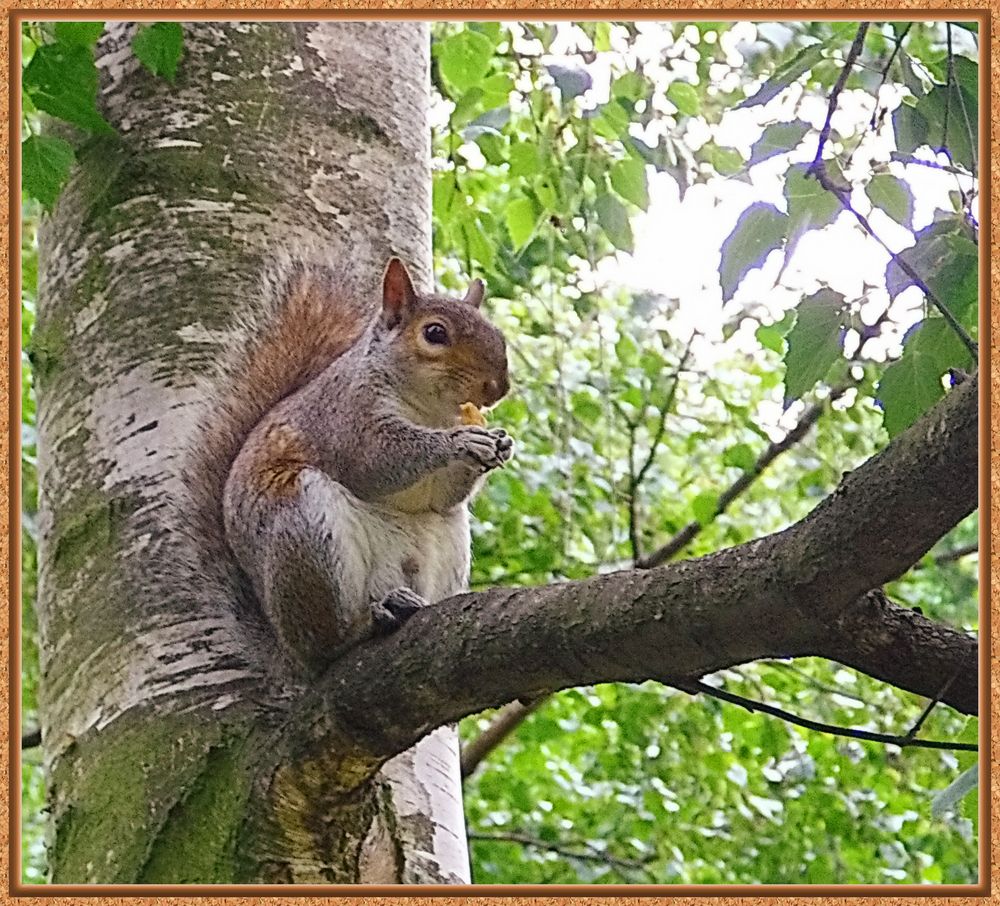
<point x="396" y="608"/>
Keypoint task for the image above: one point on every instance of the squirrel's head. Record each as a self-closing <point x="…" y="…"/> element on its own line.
<point x="445" y="347"/>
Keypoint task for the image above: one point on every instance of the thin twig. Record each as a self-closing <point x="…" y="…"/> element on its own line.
<point x="633" y="497"/>
<point x="666" y="410"/>
<point x="815" y="683"/>
<point x="958" y="552"/>
<point x="934" y="165"/>
<point x="637" y="476"/>
<point x="887" y="738"/>
<point x="852" y="55"/>
<point x="500" y="727"/>
<point x="591" y="854"/>
<point x="912" y="732"/>
<point x="950" y="81"/>
<point x="950" y="556"/>
<point x="818" y="171"/>
<point x="885" y="70"/>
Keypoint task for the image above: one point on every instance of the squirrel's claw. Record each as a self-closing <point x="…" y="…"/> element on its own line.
<point x="396" y="608"/>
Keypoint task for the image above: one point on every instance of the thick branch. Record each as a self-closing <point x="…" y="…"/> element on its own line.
<point x="790" y="594"/>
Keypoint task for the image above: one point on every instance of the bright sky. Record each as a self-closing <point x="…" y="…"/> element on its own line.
<point x="677" y="241"/>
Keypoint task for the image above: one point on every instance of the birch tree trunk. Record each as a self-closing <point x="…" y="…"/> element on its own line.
<point x="168" y="730"/>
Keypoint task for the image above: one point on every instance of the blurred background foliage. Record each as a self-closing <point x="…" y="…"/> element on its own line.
<point x="635" y="408"/>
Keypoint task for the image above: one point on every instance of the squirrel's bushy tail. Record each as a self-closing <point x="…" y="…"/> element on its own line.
<point x="306" y="317"/>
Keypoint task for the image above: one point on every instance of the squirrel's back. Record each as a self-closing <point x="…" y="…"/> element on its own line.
<point x="308" y="315"/>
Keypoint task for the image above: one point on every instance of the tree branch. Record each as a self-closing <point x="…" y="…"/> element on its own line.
<point x="957" y="553"/>
<point x="802" y="591"/>
<point x="509" y="720"/>
<point x="689" y="532"/>
<point x="852" y="55"/>
<point x="588" y="855"/>
<point x="908" y="741"/>
<point x="501" y="726"/>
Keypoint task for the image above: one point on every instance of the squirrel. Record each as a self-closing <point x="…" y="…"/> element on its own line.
<point x="337" y="467"/>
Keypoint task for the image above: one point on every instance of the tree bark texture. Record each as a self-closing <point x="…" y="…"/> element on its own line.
<point x="177" y="750"/>
<point x="159" y="700"/>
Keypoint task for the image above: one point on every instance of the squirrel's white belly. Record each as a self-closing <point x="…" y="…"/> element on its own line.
<point x="381" y="549"/>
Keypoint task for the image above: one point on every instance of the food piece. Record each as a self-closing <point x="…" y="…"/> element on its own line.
<point x="470" y="415"/>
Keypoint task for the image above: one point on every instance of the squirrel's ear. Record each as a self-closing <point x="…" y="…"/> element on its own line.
<point x="397" y="292"/>
<point x="476" y="291"/>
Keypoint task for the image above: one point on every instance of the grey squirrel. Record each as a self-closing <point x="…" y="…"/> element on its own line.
<point x="342" y="455"/>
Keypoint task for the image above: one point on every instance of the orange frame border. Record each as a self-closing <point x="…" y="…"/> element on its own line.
<point x="617" y="893"/>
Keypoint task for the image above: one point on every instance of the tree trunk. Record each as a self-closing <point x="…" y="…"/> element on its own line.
<point x="169" y="733"/>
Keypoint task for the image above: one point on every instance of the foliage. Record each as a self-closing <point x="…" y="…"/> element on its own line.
<point x="634" y="409"/>
<point x="59" y="77"/>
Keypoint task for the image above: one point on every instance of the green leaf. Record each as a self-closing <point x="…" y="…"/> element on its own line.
<point x="628" y="178"/>
<point x="61" y="79"/>
<point x="613" y="217"/>
<point x="466" y="107"/>
<point x="630" y="86"/>
<point x="910" y="79"/>
<point x="772" y="336"/>
<point x="784" y="75"/>
<point x="704" y="507"/>
<point x="82" y="33"/>
<point x="45" y="166"/>
<point x="912" y="384"/>
<point x="684" y="97"/>
<point x="521" y="218"/>
<point x="778" y="138"/>
<point x="602" y="36"/>
<point x="741" y="456"/>
<point x="945" y="257"/>
<point x="726" y="161"/>
<point x="481" y="249"/>
<point x="159" y="48"/>
<point x="925" y="124"/>
<point x="612" y="121"/>
<point x="893" y="196"/>
<point x="496" y="90"/>
<point x="761" y="229"/>
<point x="810" y="206"/>
<point x="524" y="160"/>
<point x="814" y="342"/>
<point x="465" y="58"/>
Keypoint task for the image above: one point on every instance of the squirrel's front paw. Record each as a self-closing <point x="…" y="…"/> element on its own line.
<point x="396" y="608"/>
<point x="486" y="448"/>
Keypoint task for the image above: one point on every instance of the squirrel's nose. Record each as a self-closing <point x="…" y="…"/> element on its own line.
<point x="495" y="389"/>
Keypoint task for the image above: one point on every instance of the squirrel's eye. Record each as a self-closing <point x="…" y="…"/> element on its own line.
<point x="436" y="334"/>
